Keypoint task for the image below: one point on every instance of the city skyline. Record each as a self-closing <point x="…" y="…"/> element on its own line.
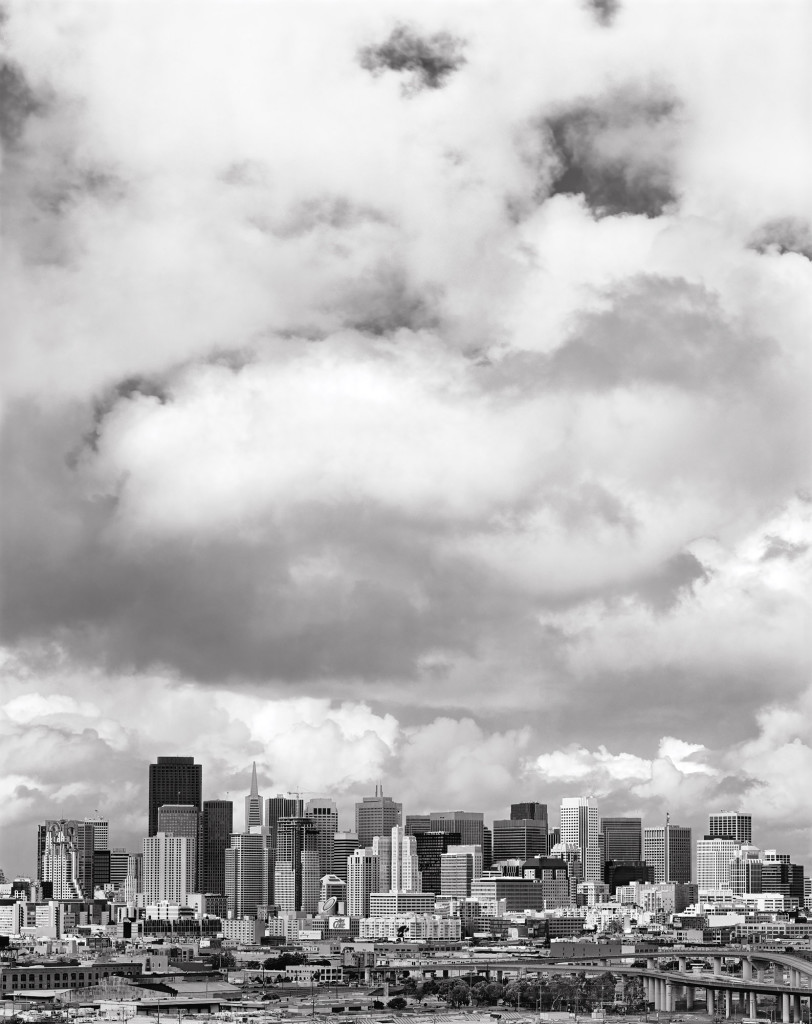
<point x="312" y="811"/>
<point x="411" y="393"/>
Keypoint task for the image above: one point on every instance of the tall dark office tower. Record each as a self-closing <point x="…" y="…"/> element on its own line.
<point x="528" y="811"/>
<point x="280" y="806"/>
<point x="487" y="848"/>
<point x="376" y="816"/>
<point x="173" y="780"/>
<point x="523" y="838"/>
<point x="731" y="825"/>
<point x="296" y="865"/>
<point x="779" y="875"/>
<point x="430" y="848"/>
<point x="624" y="839"/>
<point x="253" y="802"/>
<point x="218" y="824"/>
<point x="118" y="865"/>
<point x="101" y="868"/>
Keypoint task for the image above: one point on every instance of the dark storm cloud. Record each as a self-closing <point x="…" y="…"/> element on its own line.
<point x="230" y="606"/>
<point x="18" y="102"/>
<point x="604" y="11"/>
<point x="72" y="184"/>
<point x="779" y="547"/>
<point x="617" y="150"/>
<point x="384" y="301"/>
<point x="663" y="587"/>
<point x="664" y="331"/>
<point x="429" y="60"/>
<point x="784" y="234"/>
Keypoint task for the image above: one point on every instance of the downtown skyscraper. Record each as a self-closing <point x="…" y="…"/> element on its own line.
<point x="376" y="816"/>
<point x="248" y="872"/>
<point x="667" y="852"/>
<point x="731" y="825"/>
<point x="297" y="874"/>
<point x="579" y="827"/>
<point x="173" y="780"/>
<point x="253" y="803"/>
<point x="216" y="829"/>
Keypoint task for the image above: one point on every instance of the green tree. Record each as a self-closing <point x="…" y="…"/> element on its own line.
<point x="495" y="991"/>
<point x="633" y="994"/>
<point x="479" y="993"/>
<point x="459" y="994"/>
<point x="512" y="993"/>
<point x="424" y="989"/>
<point x="398" y="1003"/>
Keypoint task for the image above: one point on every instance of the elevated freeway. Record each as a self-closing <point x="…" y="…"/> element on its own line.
<point x="784" y="979"/>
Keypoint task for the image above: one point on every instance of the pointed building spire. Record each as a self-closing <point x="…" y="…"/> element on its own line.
<point x="253" y="802"/>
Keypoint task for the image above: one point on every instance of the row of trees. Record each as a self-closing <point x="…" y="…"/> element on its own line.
<point x="561" y="991"/>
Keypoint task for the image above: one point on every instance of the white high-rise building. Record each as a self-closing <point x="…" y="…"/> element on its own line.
<point x="101" y="833"/>
<point x="731" y="825"/>
<point x="249" y="872"/>
<point x="746" y="870"/>
<point x="472" y="850"/>
<point x="580" y="826"/>
<point x="667" y="852"/>
<point x="362" y="879"/>
<point x="166" y="869"/>
<point x="60" y="863"/>
<point x="405" y="876"/>
<point x="713" y="857"/>
<point x="134" y="882"/>
<point x="382" y="848"/>
<point x="183" y="820"/>
<point x="460" y="866"/>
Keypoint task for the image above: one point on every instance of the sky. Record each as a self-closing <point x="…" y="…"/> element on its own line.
<point x="407" y="394"/>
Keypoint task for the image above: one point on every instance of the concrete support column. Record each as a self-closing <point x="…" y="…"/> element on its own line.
<point x="796" y="1008"/>
<point x="499" y="976"/>
<point x="655" y="984"/>
<point x="367" y="976"/>
<point x="785" y="1008"/>
<point x="669" y="996"/>
<point x="752" y="1011"/>
<point x="717" y="965"/>
<point x="710" y="1002"/>
<point x="728" y="1003"/>
<point x="683" y="963"/>
<point x="689" y="997"/>
<point x="747" y="968"/>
